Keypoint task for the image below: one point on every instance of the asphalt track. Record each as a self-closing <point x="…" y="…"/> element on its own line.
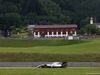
<point x="38" y="68"/>
<point x="34" y="64"/>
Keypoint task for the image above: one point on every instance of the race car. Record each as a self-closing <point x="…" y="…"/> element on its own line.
<point x="53" y="65"/>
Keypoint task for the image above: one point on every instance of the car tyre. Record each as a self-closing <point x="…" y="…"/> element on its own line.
<point x="45" y="66"/>
<point x="64" y="66"/>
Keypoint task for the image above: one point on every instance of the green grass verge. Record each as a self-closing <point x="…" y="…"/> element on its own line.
<point x="37" y="43"/>
<point x="82" y="71"/>
<point x="34" y="57"/>
<point x="80" y="48"/>
<point x="61" y="50"/>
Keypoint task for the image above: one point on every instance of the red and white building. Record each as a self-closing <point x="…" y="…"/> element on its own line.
<point x="54" y="30"/>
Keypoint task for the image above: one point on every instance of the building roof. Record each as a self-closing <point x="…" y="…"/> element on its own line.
<point x="98" y="24"/>
<point x="30" y="26"/>
<point x="54" y="26"/>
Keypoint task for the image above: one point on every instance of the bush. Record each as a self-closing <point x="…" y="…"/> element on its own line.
<point x="30" y="33"/>
<point x="42" y="34"/>
<point x="90" y="28"/>
<point x="70" y="34"/>
<point x="81" y="31"/>
<point x="16" y="36"/>
<point x="98" y="31"/>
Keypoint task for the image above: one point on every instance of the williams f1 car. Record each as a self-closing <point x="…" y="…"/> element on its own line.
<point x="53" y="65"/>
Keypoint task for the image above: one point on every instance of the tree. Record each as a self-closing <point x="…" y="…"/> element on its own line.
<point x="48" y="12"/>
<point x="11" y="19"/>
<point x="84" y="22"/>
<point x="32" y="18"/>
<point x="81" y="31"/>
<point x="30" y="33"/>
<point x="98" y="31"/>
<point x="50" y="8"/>
<point x="13" y="28"/>
<point x="8" y="7"/>
<point x="64" y="19"/>
<point x="90" y="28"/>
<point x="28" y="6"/>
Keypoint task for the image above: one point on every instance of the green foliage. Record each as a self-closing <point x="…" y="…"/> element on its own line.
<point x="8" y="7"/>
<point x="24" y="29"/>
<point x="13" y="29"/>
<point x="84" y="22"/>
<point x="10" y="19"/>
<point x="70" y="34"/>
<point x="65" y="19"/>
<point x="32" y="18"/>
<point x="30" y="33"/>
<point x="16" y="36"/>
<point x="42" y="34"/>
<point x="50" y="7"/>
<point x="24" y="12"/>
<point x="98" y="31"/>
<point x="81" y="31"/>
<point x="16" y="30"/>
<point x="90" y="29"/>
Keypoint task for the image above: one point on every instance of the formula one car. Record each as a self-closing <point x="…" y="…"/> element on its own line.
<point x="53" y="65"/>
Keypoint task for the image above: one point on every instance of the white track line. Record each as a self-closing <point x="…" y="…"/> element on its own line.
<point x="93" y="73"/>
<point x="38" y="68"/>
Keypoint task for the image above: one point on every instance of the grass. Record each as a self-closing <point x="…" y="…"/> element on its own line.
<point x="61" y="50"/>
<point x="38" y="43"/>
<point x="51" y="47"/>
<point x="75" y="71"/>
<point x="36" y="57"/>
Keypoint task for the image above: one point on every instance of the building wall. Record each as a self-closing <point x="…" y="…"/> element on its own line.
<point x="54" y="32"/>
<point x="5" y="33"/>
